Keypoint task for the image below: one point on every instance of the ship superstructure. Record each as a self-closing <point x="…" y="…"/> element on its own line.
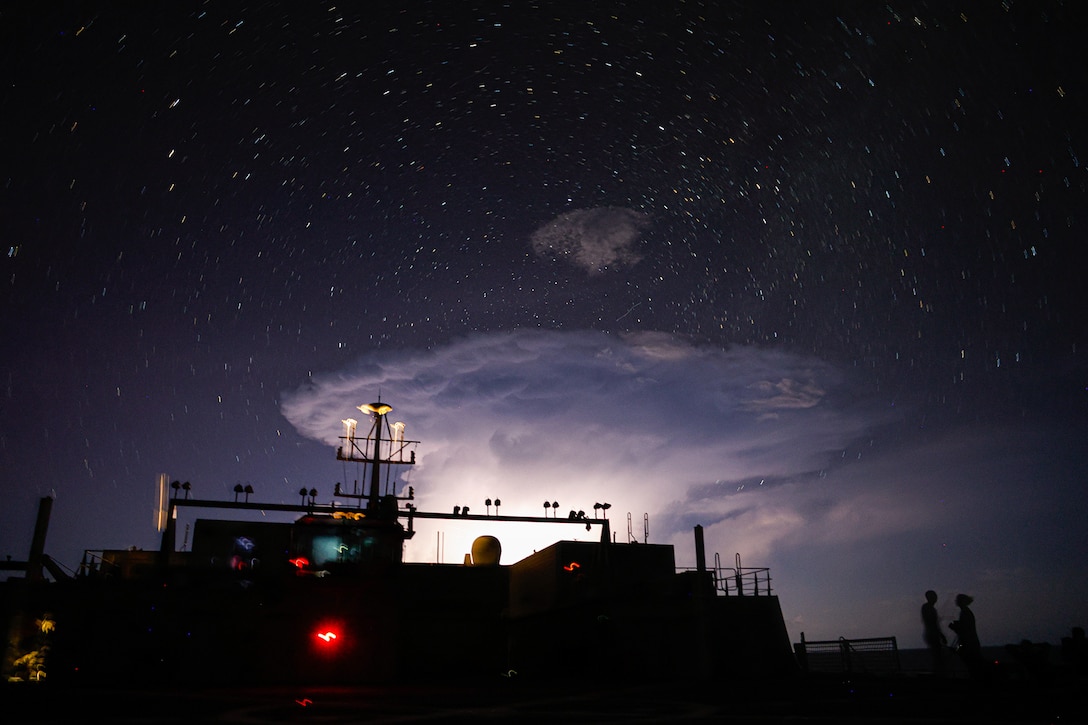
<point x="328" y="598"/>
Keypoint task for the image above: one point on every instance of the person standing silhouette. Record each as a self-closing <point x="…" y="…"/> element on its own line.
<point x="968" y="646"/>
<point x="932" y="634"/>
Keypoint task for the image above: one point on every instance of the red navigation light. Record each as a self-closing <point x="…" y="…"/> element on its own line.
<point x="300" y="562"/>
<point x="572" y="566"/>
<point x="330" y="638"/>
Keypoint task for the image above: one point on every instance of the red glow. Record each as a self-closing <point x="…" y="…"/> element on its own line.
<point x="329" y="639"/>
<point x="300" y="562"/>
<point x="572" y="566"/>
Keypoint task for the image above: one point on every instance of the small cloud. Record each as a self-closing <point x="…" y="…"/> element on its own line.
<point x="594" y="239"/>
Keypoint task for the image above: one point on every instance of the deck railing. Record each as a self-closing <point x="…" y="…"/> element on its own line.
<point x="751" y="582"/>
<point x="872" y="655"/>
<point x="741" y="581"/>
<point x="738" y="580"/>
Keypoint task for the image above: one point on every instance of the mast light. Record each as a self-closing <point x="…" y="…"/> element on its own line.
<point x="378" y="408"/>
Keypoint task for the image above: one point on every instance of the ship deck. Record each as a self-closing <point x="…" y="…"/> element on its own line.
<point x="908" y="699"/>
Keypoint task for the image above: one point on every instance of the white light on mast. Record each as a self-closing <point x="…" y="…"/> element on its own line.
<point x="161" y="504"/>
<point x="349" y="436"/>
<point x="398" y="432"/>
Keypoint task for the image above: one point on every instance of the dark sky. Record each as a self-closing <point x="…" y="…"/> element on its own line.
<point x="807" y="274"/>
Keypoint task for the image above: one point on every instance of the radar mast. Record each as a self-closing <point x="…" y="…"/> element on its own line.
<point x="375" y="449"/>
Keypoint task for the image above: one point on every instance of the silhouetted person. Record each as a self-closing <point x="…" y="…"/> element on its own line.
<point x="932" y="634"/>
<point x="968" y="646"/>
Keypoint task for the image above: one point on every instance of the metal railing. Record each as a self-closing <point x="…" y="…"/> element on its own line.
<point x="738" y="581"/>
<point x="94" y="562"/>
<point x="871" y="655"/>
<point x="752" y="582"/>
<point x="741" y="581"/>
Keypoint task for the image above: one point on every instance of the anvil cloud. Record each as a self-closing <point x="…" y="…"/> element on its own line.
<point x="784" y="459"/>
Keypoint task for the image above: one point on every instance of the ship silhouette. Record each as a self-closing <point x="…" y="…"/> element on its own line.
<point x="328" y="599"/>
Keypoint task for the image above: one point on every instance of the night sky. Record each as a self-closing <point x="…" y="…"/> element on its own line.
<point x="810" y="275"/>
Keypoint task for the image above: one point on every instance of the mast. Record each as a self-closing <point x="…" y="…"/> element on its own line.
<point x="356" y="449"/>
<point x="379" y="410"/>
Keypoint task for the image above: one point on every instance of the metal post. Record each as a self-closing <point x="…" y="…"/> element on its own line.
<point x="37" y="544"/>
<point x="700" y="550"/>
<point x="169" y="532"/>
<point x="375" y="479"/>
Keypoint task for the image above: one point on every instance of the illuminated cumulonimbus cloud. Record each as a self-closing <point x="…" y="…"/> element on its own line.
<point x="649" y="423"/>
<point x="594" y="239"/>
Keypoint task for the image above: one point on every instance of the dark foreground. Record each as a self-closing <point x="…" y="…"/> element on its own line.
<point x="824" y="700"/>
